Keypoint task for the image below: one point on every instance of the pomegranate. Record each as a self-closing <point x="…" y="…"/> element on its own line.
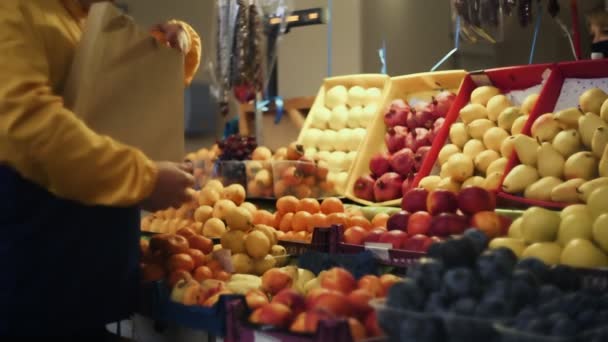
<point x="443" y="101"/>
<point x="388" y="187"/>
<point x="402" y="162"/>
<point x="364" y="188"/>
<point x="407" y="183"/>
<point x="379" y="164"/>
<point x="398" y="221"/>
<point x="420" y="156"/>
<point x="425" y="117"/>
<point x="395" y="138"/>
<point x="397" y="114"/>
<point x="411" y="122"/>
<point x="436" y="127"/>
<point x="422" y="138"/>
<point x="410" y="141"/>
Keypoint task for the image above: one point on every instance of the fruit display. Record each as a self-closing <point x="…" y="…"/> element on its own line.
<point x="297" y="300"/>
<point x="461" y="291"/>
<point x="576" y="236"/>
<point x="399" y="140"/>
<point x="480" y="142"/>
<point x="338" y="122"/>
<point x="427" y="217"/>
<point x="563" y="151"/>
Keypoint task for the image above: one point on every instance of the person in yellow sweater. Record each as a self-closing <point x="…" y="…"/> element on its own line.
<point x="69" y="197"/>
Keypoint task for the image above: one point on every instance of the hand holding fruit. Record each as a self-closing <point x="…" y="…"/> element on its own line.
<point x="171" y="188"/>
<point x="173" y="35"/>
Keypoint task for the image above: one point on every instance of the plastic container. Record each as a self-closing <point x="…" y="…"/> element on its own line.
<point x="335" y="138"/>
<point x="303" y="180"/>
<point x="320" y="243"/>
<point x="411" y="87"/>
<point x="566" y="82"/>
<point x="515" y="82"/>
<point x="509" y="334"/>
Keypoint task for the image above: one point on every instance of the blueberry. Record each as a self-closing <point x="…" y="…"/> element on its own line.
<point x="492" y="307"/>
<point x="435" y="303"/>
<point x="551" y="306"/>
<point x="538" y="326"/>
<point x="566" y="278"/>
<point x="575" y="303"/>
<point x="536" y="266"/>
<point x="564" y="327"/>
<point x="525" y="276"/>
<point x="464" y="306"/>
<point x="500" y="288"/>
<point x="479" y="239"/>
<point x="435" y="251"/>
<point x="389" y="322"/>
<point x="459" y="282"/>
<point x="406" y="295"/>
<point x="491" y="267"/>
<point x="428" y="273"/>
<point x="416" y="329"/>
<point x="586" y="319"/>
<point x="458" y="253"/>
<point x="549" y="292"/>
<point x="522" y="294"/>
<point x="505" y="257"/>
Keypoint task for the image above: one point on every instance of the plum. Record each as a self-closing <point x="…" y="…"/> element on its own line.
<point x="427" y="272"/>
<point x="406" y="295"/>
<point x="464" y="306"/>
<point x="459" y="282"/>
<point x="536" y="266"/>
<point x="479" y="239"/>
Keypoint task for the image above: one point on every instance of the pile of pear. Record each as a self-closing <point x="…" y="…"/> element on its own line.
<point x="475" y="154"/>
<point x="565" y="154"/>
<point x="577" y="236"/>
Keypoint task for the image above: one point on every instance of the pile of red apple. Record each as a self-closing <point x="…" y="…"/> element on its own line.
<point x="338" y="296"/>
<point x="428" y="217"/>
<point x="410" y="132"/>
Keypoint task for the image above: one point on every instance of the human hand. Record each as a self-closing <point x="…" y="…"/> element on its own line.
<point x="173" y="35"/>
<point x="172" y="188"/>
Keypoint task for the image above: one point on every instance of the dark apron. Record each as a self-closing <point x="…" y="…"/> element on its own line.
<point x="66" y="268"/>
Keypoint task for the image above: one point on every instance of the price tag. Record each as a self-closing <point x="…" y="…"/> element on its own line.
<point x="261" y="337"/>
<point x="224" y="257"/>
<point x="380" y="250"/>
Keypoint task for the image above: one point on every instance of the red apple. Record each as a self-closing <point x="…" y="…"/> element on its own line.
<point x="256" y="299"/>
<point x="441" y="201"/>
<point x="333" y="302"/>
<point x="417" y="243"/>
<point x="338" y="279"/>
<point x="488" y="222"/>
<point x="292" y="299"/>
<point x="475" y="199"/>
<point x="371" y="325"/>
<point x="274" y="314"/>
<point x="374" y="235"/>
<point x="415" y="200"/>
<point x="394" y="237"/>
<point x="358" y="301"/>
<point x="398" y="221"/>
<point x="447" y="224"/>
<point x="372" y="284"/>
<point x="419" y="223"/>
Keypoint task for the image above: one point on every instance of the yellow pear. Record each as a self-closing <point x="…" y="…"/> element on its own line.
<point x="599" y="231"/>
<point x="568" y="118"/>
<point x="498" y="165"/>
<point x="475" y="181"/>
<point x="515" y="229"/>
<point x="581" y="165"/>
<point x="575" y="226"/>
<point x="481" y="95"/>
<point x="472" y="112"/>
<point x="529" y="103"/>
<point x="540" y="225"/>
<point x="597" y="203"/>
<point x="484" y="159"/>
<point x="494" y="138"/>
<point x="604" y="111"/>
<point x="567" y="142"/>
<point x="542" y="188"/>
<point x="587" y="188"/>
<point x="520" y="178"/>
<point x="550" y="162"/>
<point x="547" y="252"/>
<point x="545" y="128"/>
<point x="599" y="141"/>
<point x="583" y="254"/>
<point x="515" y="245"/>
<point x="478" y="128"/>
<point x="429" y="183"/>
<point x="492" y="181"/>
<point x="507" y="147"/>
<point x="566" y="192"/>
<point x="518" y="124"/>
<point x="458" y="134"/>
<point x="473" y="147"/>
<point x="444" y="172"/>
<point x="449" y="184"/>
<point x="526" y="148"/>
<point x="603" y="164"/>
<point x="496" y="105"/>
<point x="587" y="124"/>
<point x="508" y="116"/>
<point x="575" y="209"/>
<point x="446" y="152"/>
<point x="460" y="167"/>
<point x="592" y="100"/>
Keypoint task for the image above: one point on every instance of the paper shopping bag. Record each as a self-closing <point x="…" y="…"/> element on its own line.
<point x="126" y="85"/>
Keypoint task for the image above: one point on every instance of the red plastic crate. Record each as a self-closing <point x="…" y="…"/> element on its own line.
<point x="505" y="79"/>
<point x="546" y="104"/>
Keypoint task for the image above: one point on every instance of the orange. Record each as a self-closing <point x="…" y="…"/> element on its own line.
<point x="301" y="221"/>
<point x="287" y="204"/>
<point x="332" y="205"/>
<point x="359" y="221"/>
<point x="310" y="205"/>
<point x="318" y="220"/>
<point x="286" y="222"/>
<point x="380" y="220"/>
<point x="337" y="218"/>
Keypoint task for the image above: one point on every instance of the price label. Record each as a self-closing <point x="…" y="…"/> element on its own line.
<point x="380" y="250"/>
<point x="262" y="337"/>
